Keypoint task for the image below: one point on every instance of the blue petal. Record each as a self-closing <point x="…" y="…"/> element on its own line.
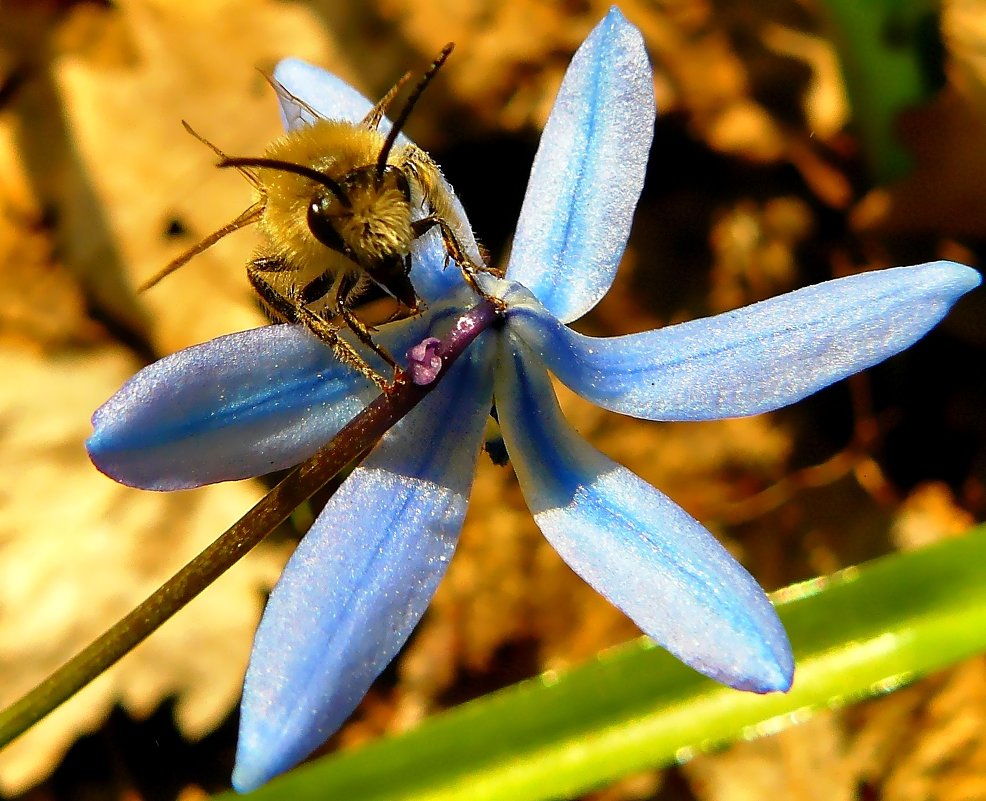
<point x="432" y="273"/>
<point x="239" y="406"/>
<point x="755" y="359"/>
<point x="362" y="577"/>
<point x="334" y="99"/>
<point x="588" y="173"/>
<point x="634" y="545"/>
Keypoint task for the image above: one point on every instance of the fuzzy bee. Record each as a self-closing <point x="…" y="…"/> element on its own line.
<point x="341" y="205"/>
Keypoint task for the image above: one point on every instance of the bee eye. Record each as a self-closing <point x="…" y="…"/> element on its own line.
<point x="320" y="223"/>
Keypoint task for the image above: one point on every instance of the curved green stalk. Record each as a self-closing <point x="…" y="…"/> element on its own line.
<point x="861" y="632"/>
<point x="891" y="56"/>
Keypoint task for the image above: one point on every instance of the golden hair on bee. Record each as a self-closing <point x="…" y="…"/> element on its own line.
<point x="340" y="206"/>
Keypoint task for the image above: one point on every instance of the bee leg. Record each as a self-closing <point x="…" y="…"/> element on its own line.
<point x="284" y="309"/>
<point x="277" y="308"/>
<point x="342" y="291"/>
<point x="438" y="201"/>
<point x="316" y="289"/>
<point x="455" y="251"/>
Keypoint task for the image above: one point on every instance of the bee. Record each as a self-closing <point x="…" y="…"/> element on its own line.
<point x="340" y="206"/>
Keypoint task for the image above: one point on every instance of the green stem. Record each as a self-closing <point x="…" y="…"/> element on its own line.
<point x="861" y="632"/>
<point x="888" y="52"/>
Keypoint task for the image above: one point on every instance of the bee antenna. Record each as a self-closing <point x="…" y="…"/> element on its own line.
<point x="372" y="120"/>
<point x="245" y="173"/>
<point x="251" y="215"/>
<point x="298" y="169"/>
<point x="395" y="129"/>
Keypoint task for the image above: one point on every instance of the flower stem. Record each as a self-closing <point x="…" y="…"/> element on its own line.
<point x="358" y="436"/>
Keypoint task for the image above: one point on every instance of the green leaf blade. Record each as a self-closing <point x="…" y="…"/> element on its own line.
<point x="861" y="632"/>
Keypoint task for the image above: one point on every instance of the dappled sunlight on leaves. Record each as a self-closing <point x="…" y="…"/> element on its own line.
<point x="78" y="551"/>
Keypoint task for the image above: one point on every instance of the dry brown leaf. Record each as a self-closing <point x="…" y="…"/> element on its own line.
<point x="925" y="743"/>
<point x="194" y="61"/>
<point x="78" y="551"/>
<point x="928" y="515"/>
<point x="512" y="57"/>
<point x="945" y="191"/>
<point x="806" y="763"/>
<point x="826" y="106"/>
<point x="921" y="743"/>
<point x="509" y="56"/>
<point x="642" y="786"/>
<point x="754" y="248"/>
<point x="963" y="25"/>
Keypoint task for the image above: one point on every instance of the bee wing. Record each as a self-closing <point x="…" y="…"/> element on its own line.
<point x="294" y="111"/>
<point x="308" y="93"/>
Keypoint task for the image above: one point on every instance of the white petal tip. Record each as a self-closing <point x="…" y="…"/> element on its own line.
<point x="947" y="277"/>
<point x="246" y="780"/>
<point x="773" y="672"/>
<point x="963" y="279"/>
<point x="255" y="766"/>
<point x="776" y="678"/>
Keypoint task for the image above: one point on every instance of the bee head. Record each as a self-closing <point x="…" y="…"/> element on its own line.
<point x="367" y="218"/>
<point x="372" y="229"/>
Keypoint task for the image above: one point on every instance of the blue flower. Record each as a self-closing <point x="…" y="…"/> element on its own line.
<point x="360" y="580"/>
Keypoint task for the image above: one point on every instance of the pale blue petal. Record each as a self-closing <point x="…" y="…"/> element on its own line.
<point x="335" y="99"/>
<point x="239" y="406"/>
<point x="754" y="359"/>
<point x="588" y="173"/>
<point x="634" y="545"/>
<point x="362" y="577"/>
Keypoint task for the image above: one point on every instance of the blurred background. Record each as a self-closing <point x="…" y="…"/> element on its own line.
<point x="796" y="142"/>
